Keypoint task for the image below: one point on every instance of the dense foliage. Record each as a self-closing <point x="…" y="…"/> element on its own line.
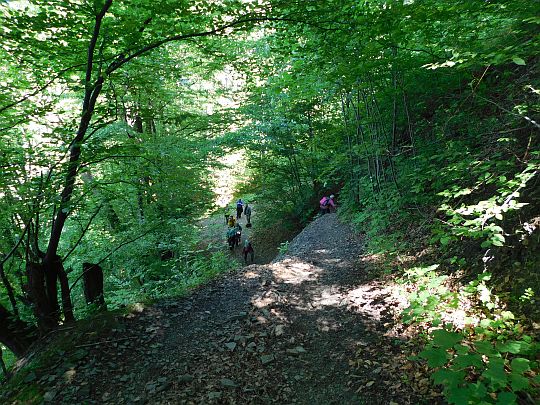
<point x="423" y="116"/>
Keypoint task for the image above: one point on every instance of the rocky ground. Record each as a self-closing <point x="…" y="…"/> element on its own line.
<point x="309" y="328"/>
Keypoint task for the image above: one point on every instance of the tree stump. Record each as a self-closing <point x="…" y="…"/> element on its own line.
<point x="93" y="285"/>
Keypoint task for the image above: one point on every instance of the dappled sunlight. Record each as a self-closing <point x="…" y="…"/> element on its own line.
<point x="292" y="271"/>
<point x="325" y="324"/>
<point x="327" y="296"/>
<point x="251" y="274"/>
<point x="262" y="302"/>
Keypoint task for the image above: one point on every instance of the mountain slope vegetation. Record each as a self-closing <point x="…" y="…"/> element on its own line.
<point x="422" y="117"/>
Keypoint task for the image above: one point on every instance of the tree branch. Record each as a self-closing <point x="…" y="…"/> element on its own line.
<point x="122" y="59"/>
<point x="114" y="251"/>
<point x="82" y="233"/>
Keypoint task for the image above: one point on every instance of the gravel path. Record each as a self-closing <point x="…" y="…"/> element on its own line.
<point x="309" y="328"/>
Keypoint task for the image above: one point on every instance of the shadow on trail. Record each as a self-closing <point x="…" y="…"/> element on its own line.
<point x="308" y="328"/>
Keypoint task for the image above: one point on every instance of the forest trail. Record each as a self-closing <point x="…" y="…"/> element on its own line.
<point x="287" y="332"/>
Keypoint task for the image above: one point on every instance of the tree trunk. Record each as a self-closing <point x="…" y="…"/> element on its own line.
<point x="67" y="306"/>
<point x="93" y="285"/>
<point x="15" y="334"/>
<point x="43" y="296"/>
<point x="9" y="289"/>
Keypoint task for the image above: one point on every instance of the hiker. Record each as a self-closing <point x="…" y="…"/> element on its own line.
<point x="248" y="249"/>
<point x="227" y="215"/>
<point x="231" y="237"/>
<point x="238" y="234"/>
<point x="231" y="222"/>
<point x="247" y="211"/>
<point x="239" y="208"/>
<point x="326" y="204"/>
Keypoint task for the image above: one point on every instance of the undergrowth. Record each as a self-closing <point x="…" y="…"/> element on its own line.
<point x="469" y="224"/>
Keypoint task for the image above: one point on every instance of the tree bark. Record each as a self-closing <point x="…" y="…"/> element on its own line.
<point x="9" y="289"/>
<point x="93" y="284"/>
<point x="46" y="312"/>
<point x="67" y="306"/>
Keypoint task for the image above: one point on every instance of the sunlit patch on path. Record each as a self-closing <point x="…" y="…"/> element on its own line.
<point x="288" y="332"/>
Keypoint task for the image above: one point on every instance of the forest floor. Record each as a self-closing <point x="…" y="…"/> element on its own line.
<point x="312" y="327"/>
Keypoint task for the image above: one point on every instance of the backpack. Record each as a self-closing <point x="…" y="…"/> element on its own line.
<point x="325" y="201"/>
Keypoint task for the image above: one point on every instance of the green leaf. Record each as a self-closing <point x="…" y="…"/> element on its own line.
<point x="485" y="244"/>
<point x="446" y="339"/>
<point x="477" y="390"/>
<point x="467" y="360"/>
<point x="448" y="378"/>
<point x="495" y="373"/>
<point x="513" y="346"/>
<point x="445" y="240"/>
<point x="518" y="382"/>
<point x="497" y="239"/>
<point x="435" y="357"/>
<point x="518" y="61"/>
<point x="506" y="398"/>
<point x="459" y="396"/>
<point x="520" y="365"/>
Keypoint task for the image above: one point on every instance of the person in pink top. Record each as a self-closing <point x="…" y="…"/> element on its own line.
<point x="326" y="204"/>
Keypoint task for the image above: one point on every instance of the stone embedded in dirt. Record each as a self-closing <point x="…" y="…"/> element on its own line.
<point x="296" y="351"/>
<point x="49" y="396"/>
<point x="238" y="317"/>
<point x="214" y="395"/>
<point x="231" y="346"/>
<point x="163" y="387"/>
<point x="279" y="330"/>
<point x="228" y="383"/>
<point x="185" y="378"/>
<point x="151" y="387"/>
<point x="69" y="375"/>
<point x="267" y="358"/>
<point x="259" y="319"/>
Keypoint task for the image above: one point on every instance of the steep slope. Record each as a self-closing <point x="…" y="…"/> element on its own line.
<point x="279" y="333"/>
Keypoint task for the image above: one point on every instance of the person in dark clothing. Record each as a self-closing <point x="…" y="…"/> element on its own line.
<point x="247" y="211"/>
<point x="239" y="208"/>
<point x="248" y="249"/>
<point x="231" y="237"/>
<point x="238" y="234"/>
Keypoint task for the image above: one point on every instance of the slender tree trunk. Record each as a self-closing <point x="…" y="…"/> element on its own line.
<point x="49" y="270"/>
<point x="67" y="306"/>
<point x="406" y="109"/>
<point x="10" y="292"/>
<point x="345" y="107"/>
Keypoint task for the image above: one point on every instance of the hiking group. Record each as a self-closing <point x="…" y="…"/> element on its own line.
<point x="234" y="231"/>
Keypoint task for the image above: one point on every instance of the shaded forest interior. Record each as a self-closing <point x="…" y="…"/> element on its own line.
<point x="126" y="125"/>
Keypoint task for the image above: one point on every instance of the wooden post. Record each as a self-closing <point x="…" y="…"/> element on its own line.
<point x="93" y="285"/>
